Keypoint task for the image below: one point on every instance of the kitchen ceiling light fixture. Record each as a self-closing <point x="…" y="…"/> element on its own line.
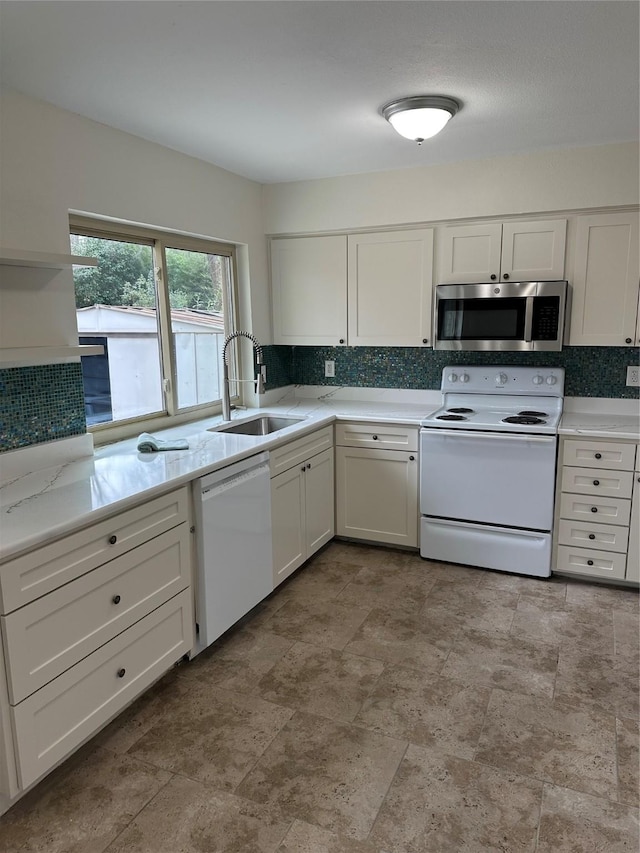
<point x="420" y="117"/>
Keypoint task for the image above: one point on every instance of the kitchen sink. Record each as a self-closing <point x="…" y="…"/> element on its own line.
<point x="262" y="425"/>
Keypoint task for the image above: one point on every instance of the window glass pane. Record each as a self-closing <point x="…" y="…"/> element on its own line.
<point x="196" y="282"/>
<point x="116" y="306"/>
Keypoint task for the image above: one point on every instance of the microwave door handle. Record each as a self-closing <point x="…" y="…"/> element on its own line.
<point x="528" y="319"/>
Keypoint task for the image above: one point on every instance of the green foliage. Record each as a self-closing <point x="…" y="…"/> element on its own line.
<point x="124" y="276"/>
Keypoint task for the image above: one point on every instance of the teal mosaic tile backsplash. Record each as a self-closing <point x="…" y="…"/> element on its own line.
<point x="590" y="371"/>
<point x="40" y="403"/>
<point x="46" y="402"/>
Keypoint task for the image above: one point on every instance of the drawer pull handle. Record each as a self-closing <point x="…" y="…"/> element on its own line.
<point x="596" y="482"/>
<point x="592" y="536"/>
<point x="113" y="540"/>
<point x="121" y="672"/>
<point x="589" y="562"/>
<point x="598" y="455"/>
<point x="374" y="437"/>
<point x="116" y="599"/>
<point x="594" y="509"/>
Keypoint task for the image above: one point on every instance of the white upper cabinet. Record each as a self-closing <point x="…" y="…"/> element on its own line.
<point x="390" y="288"/>
<point x="511" y="251"/>
<point x="309" y="285"/>
<point x="605" y="281"/>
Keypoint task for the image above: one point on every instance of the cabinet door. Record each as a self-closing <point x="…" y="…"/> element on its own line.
<point x="319" y="501"/>
<point x="633" y="555"/>
<point x="605" y="280"/>
<point x="377" y="495"/>
<point x="533" y="251"/>
<point x="309" y="283"/>
<point x="287" y="522"/>
<point x="468" y="253"/>
<point x="390" y="288"/>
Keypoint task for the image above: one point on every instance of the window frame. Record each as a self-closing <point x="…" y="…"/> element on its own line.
<point x="159" y="240"/>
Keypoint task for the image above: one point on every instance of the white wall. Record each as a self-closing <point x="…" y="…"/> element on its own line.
<point x="53" y="161"/>
<point x="566" y="179"/>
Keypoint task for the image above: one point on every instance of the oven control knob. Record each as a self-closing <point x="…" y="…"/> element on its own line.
<point x="464" y="377"/>
<point x="537" y="379"/>
<point x="501" y="378"/>
<point x="551" y="380"/>
<point x="453" y="377"/>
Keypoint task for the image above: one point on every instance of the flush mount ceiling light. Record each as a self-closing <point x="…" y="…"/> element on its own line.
<point x="420" y="117"/>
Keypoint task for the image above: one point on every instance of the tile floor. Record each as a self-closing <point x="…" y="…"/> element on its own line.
<point x="375" y="703"/>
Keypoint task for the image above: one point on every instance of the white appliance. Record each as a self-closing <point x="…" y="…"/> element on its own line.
<point x="487" y="468"/>
<point x="233" y="535"/>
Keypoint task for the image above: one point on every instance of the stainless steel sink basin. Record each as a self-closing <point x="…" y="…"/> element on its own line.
<point x="262" y="425"/>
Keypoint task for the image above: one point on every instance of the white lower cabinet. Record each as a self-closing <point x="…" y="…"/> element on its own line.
<point x="633" y="555"/>
<point x="57" y="718"/>
<point x="77" y="651"/>
<point x="596" y="529"/>
<point x="376" y="487"/>
<point x="302" y="501"/>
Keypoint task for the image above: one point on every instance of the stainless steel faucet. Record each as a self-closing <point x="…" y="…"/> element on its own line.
<point x="259" y="380"/>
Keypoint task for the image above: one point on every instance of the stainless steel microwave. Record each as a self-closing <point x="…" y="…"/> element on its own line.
<point x="522" y="316"/>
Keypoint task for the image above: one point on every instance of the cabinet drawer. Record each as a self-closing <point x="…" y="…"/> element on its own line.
<point x="594" y="481"/>
<point x="607" y="510"/>
<point x="603" y="537"/>
<point x="583" y="561"/>
<point x="599" y="454"/>
<point x="381" y="436"/>
<point x="34" y="574"/>
<point x="51" y="634"/>
<point x="297" y="451"/>
<point x="56" y="719"/>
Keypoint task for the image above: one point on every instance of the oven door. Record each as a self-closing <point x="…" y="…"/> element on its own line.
<point x="504" y="479"/>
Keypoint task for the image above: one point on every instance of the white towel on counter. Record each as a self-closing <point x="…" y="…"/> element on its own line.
<point x="148" y="443"/>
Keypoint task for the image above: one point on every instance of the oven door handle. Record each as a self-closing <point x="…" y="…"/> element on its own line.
<point x="491" y="436"/>
<point x="528" y="319"/>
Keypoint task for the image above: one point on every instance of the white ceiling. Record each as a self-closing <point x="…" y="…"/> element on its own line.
<point x="283" y="91"/>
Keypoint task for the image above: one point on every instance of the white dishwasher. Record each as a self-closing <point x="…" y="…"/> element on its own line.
<point x="233" y="536"/>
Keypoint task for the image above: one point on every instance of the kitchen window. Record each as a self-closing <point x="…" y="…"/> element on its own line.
<point x="161" y="305"/>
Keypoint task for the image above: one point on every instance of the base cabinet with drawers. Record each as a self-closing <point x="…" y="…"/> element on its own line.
<point x="596" y="527"/>
<point x="302" y="500"/>
<point x="88" y="623"/>
<point x="377" y="483"/>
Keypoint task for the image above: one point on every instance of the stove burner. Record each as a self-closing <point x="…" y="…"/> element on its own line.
<point x="451" y="418"/>
<point x="527" y="414"/>
<point x="460" y="410"/>
<point x="519" y="419"/>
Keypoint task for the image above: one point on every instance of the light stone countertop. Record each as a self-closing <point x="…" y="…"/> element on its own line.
<point x="39" y="504"/>
<point x="601" y="419"/>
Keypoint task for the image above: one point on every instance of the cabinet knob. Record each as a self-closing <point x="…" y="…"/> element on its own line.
<point x="113" y="540"/>
<point x="594" y="509"/>
<point x="493" y="277"/>
<point x="425" y="340"/>
<point x="592" y="536"/>
<point x="116" y="599"/>
<point x="598" y="455"/>
<point x="304" y="468"/>
<point x="596" y="482"/>
<point x="374" y="437"/>
<point x="589" y="562"/>
<point x="121" y="672"/>
<point x="506" y="275"/>
<point x="341" y="340"/>
<point x="308" y="465"/>
<point x="628" y="341"/>
<point x="411" y="458"/>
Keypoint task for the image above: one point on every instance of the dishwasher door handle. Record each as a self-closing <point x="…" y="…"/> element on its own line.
<point x="232" y="481"/>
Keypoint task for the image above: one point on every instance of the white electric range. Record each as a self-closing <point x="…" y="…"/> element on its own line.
<point x="487" y="468"/>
